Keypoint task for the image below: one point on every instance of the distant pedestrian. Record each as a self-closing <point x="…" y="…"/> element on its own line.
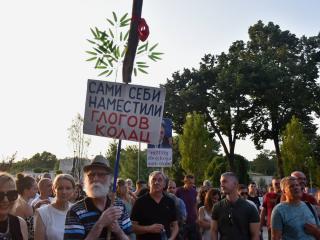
<point x="188" y="194"/>
<point x="271" y="199"/>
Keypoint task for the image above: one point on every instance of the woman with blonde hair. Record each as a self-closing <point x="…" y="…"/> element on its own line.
<point x="123" y="193"/>
<point x="50" y="219"/>
<point x="27" y="189"/>
<point x="11" y="227"/>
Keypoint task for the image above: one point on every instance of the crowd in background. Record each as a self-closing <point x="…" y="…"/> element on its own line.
<point x="154" y="209"/>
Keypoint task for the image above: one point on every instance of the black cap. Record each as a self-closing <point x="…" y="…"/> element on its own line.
<point x="98" y="161"/>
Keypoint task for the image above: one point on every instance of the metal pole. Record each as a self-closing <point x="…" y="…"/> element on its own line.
<point x="139" y="160"/>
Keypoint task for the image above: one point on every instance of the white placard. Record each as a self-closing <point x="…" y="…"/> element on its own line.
<point x="123" y="111"/>
<point x="159" y="157"/>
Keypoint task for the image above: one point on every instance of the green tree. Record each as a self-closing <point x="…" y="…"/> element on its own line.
<point x="196" y="147"/>
<point x="219" y="165"/>
<point x="129" y="164"/>
<point x="176" y="172"/>
<point x="80" y="143"/>
<point x="218" y="90"/>
<point x="283" y="80"/>
<point x="264" y="163"/>
<point x="295" y="149"/>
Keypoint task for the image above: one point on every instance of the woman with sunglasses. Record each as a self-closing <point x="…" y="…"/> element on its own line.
<point x="205" y="212"/>
<point x="50" y="219"/>
<point x="27" y="189"/>
<point x="11" y="227"/>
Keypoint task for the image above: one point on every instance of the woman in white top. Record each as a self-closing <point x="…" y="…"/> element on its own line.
<point x="205" y="212"/>
<point x="50" y="219"/>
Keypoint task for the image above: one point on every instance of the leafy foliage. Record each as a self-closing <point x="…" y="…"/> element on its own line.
<point x="264" y="163"/>
<point x="219" y="165"/>
<point x="196" y="147"/>
<point x="109" y="47"/>
<point x="41" y="161"/>
<point x="296" y="150"/>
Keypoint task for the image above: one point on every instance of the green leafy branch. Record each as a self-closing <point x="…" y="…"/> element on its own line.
<point x="109" y="47"/>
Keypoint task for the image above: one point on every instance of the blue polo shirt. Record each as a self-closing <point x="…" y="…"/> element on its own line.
<point x="84" y="214"/>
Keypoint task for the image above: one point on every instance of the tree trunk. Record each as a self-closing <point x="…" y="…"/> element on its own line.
<point x="279" y="158"/>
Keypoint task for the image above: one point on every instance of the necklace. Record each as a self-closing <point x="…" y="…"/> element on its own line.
<point x="6" y="235"/>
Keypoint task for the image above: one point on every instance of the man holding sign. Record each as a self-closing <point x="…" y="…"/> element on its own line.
<point x="92" y="217"/>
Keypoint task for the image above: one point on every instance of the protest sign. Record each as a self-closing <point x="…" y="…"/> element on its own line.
<point x="122" y="111"/>
<point x="160" y="154"/>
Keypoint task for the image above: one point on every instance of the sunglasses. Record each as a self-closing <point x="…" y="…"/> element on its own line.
<point x="243" y="193"/>
<point x="11" y="195"/>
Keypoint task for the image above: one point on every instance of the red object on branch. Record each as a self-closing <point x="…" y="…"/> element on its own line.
<point x="143" y="28"/>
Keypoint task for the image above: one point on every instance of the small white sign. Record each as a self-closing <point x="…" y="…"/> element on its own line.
<point x="159" y="157"/>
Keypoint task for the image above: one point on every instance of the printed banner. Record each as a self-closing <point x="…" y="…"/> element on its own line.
<point x="160" y="154"/>
<point x="123" y="111"/>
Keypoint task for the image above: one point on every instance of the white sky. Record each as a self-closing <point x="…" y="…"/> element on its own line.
<point x="44" y="72"/>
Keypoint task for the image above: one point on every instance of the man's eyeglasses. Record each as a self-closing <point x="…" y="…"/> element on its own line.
<point x="243" y="193"/>
<point x="91" y="175"/>
<point x="11" y="195"/>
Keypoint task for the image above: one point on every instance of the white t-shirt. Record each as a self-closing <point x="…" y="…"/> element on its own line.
<point x="37" y="199"/>
<point x="53" y="220"/>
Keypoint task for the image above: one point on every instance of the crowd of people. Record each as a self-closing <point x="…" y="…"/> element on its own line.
<point x="155" y="209"/>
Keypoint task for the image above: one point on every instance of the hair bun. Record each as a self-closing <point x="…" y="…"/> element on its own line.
<point x="20" y="176"/>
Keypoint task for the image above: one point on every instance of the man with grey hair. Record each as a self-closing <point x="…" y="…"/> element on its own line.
<point x="154" y="214"/>
<point x="233" y="217"/>
<point x="302" y="180"/>
<point x="292" y="218"/>
<point x="94" y="216"/>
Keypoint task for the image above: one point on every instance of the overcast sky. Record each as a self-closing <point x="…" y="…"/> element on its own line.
<point x="44" y="72"/>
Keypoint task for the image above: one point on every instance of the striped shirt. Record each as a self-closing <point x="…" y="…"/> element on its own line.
<point x="83" y="215"/>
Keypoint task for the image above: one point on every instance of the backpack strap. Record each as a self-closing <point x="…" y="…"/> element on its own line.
<point x="312" y="210"/>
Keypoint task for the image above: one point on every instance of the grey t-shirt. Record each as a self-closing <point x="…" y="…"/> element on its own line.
<point x="290" y="219"/>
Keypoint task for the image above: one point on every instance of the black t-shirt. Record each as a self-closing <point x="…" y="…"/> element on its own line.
<point x="256" y="201"/>
<point x="234" y="219"/>
<point x="146" y="212"/>
<point x="14" y="231"/>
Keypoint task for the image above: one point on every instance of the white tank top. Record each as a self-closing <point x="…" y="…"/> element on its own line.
<point x="53" y="220"/>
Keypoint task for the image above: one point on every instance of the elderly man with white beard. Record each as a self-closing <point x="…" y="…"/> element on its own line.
<point x="94" y="216"/>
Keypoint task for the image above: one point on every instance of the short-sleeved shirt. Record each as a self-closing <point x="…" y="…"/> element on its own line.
<point x="308" y="198"/>
<point x="269" y="202"/>
<point x="256" y="201"/>
<point x="234" y="219"/>
<point x="189" y="196"/>
<point x="290" y="218"/>
<point x="146" y="212"/>
<point x="83" y="215"/>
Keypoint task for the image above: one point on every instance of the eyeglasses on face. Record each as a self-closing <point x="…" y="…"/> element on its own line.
<point x="243" y="193"/>
<point x="11" y="195"/>
<point x="91" y="175"/>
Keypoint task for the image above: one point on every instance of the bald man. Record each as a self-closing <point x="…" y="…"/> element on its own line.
<point x="45" y="189"/>
<point x="302" y="180"/>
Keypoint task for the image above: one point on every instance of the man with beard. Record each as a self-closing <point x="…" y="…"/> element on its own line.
<point x="233" y="217"/>
<point x="154" y="214"/>
<point x="291" y="219"/>
<point x="93" y="217"/>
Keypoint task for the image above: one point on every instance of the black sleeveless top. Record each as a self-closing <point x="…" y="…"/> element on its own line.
<point x="14" y="231"/>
